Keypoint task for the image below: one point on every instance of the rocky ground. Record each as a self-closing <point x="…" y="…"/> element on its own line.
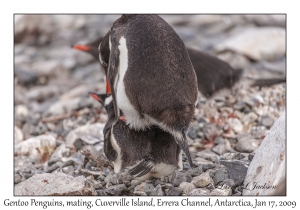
<point x="56" y="120"/>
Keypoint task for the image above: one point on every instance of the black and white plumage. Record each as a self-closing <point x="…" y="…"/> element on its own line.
<point x="150" y="74"/>
<point x="149" y="153"/>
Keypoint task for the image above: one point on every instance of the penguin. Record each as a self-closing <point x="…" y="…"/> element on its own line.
<point x="145" y="59"/>
<point x="151" y="153"/>
<point x="213" y="74"/>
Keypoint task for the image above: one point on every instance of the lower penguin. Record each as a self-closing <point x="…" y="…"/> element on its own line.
<point x="147" y="154"/>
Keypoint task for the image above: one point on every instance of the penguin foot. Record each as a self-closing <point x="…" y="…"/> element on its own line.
<point x="123" y="118"/>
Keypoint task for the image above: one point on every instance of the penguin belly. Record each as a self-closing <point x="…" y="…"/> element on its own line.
<point x="133" y="117"/>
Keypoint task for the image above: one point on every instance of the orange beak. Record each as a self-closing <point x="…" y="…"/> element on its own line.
<point x="108" y="90"/>
<point x="95" y="96"/>
<point x="81" y="47"/>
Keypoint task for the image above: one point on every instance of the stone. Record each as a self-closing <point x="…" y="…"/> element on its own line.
<point x="221" y="192"/>
<point x="195" y="171"/>
<point x="211" y="131"/>
<point x="25" y="76"/>
<point x="206" y="154"/>
<point x="116" y="190"/>
<point x="264" y="43"/>
<point x="157" y="191"/>
<point x="186" y="187"/>
<point x="222" y="148"/>
<point x="199" y="191"/>
<point x="59" y="153"/>
<point x="220" y="176"/>
<point x="18" y="135"/>
<point x="200" y="160"/>
<point x="17" y="178"/>
<point x="174" y="191"/>
<point x="101" y="192"/>
<point x="237" y="169"/>
<point x="90" y="134"/>
<point x="55" y="184"/>
<point x="202" y="180"/>
<point x="247" y="144"/>
<point x="39" y="148"/>
<point x="179" y="177"/>
<point x="41" y="93"/>
<point x="236" y="125"/>
<point x="266" y="121"/>
<point x="268" y="166"/>
<point x="251" y="156"/>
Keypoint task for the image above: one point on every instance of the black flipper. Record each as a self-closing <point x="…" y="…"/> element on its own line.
<point x="109" y="151"/>
<point x="145" y="166"/>
<point x="183" y="145"/>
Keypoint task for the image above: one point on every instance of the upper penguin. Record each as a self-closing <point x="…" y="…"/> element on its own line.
<point x="150" y="74"/>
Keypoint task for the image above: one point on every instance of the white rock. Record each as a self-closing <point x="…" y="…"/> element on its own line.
<point x="186" y="187"/>
<point x="264" y="43"/>
<point x="202" y="180"/>
<point x="236" y="125"/>
<point x="18" y="135"/>
<point x="38" y="148"/>
<point x="55" y="184"/>
<point x="268" y="166"/>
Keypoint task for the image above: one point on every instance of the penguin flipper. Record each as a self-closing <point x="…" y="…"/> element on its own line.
<point x="184" y="147"/>
<point x="109" y="150"/>
<point x="113" y="75"/>
<point x="142" y="168"/>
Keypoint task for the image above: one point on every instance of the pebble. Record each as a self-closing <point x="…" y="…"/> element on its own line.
<point x="179" y="177"/>
<point x="116" y="190"/>
<point x="174" y="191"/>
<point x="247" y="144"/>
<point x="157" y="191"/>
<point x="202" y="180"/>
<point x="236" y="125"/>
<point x="186" y="187"/>
<point x="220" y="176"/>
<point x="199" y="191"/>
<point x="237" y="169"/>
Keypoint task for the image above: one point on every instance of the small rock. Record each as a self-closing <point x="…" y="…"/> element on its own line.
<point x="53" y="185"/>
<point x="157" y="191"/>
<point x="186" y="187"/>
<point x="17" y="178"/>
<point x="174" y="191"/>
<point x="266" y="121"/>
<point x="211" y="131"/>
<point x="247" y="144"/>
<point x="206" y="154"/>
<point x="221" y="192"/>
<point x="68" y="169"/>
<point x="200" y="160"/>
<point x="179" y="177"/>
<point x="220" y="176"/>
<point x="116" y="190"/>
<point x="59" y="153"/>
<point x="202" y="180"/>
<point x="199" y="191"/>
<point x="195" y="171"/>
<point x="251" y="156"/>
<point x="38" y="148"/>
<point x="101" y="193"/>
<point x="237" y="169"/>
<point x="236" y="125"/>
<point x="18" y="135"/>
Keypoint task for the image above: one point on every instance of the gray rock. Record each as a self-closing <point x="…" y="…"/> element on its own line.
<point x="265" y="43"/>
<point x="237" y="169"/>
<point x="247" y="144"/>
<point x="186" y="187"/>
<point x="206" y="154"/>
<point x="236" y="125"/>
<point x="41" y="93"/>
<point x="116" y="190"/>
<point x="37" y="148"/>
<point x="101" y="192"/>
<point x="195" y="171"/>
<point x="202" y="180"/>
<point x="270" y="153"/>
<point x="251" y="156"/>
<point x="258" y="132"/>
<point x="25" y="77"/>
<point x="59" y="153"/>
<point x="17" y="178"/>
<point x="220" y="176"/>
<point x="266" y="121"/>
<point x="157" y="191"/>
<point x="179" y="177"/>
<point x="199" y="191"/>
<point x="174" y="191"/>
<point x="89" y="134"/>
<point x="68" y="169"/>
<point x="219" y="192"/>
<point x="54" y="184"/>
<point x="222" y="148"/>
<point x="200" y="160"/>
<point x="18" y="135"/>
<point x="211" y="131"/>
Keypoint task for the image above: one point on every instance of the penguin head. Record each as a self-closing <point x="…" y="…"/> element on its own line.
<point x="91" y="48"/>
<point x="104" y="51"/>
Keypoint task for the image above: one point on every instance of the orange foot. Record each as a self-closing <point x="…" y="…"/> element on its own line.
<point x="123" y="118"/>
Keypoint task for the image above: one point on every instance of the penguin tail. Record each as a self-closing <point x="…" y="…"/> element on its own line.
<point x="144" y="167"/>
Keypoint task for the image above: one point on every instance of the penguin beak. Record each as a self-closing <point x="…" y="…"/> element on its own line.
<point x="95" y="96"/>
<point x="108" y="90"/>
<point x="81" y="47"/>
